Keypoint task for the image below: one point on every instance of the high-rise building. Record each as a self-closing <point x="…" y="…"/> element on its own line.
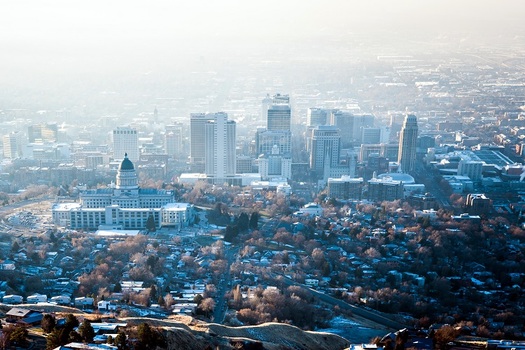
<point x="325" y="143"/>
<point x="42" y="133"/>
<point x="279" y="114"/>
<point x="219" y="145"/>
<point x="471" y="168"/>
<point x="274" y="144"/>
<point x="267" y="139"/>
<point x="317" y="116"/>
<point x="12" y="145"/>
<point x="408" y="144"/>
<point x="173" y="140"/>
<point x="371" y="135"/>
<point x="345" y="187"/>
<point x="197" y="147"/>
<point x="266" y="102"/>
<point x="351" y="126"/>
<point x="125" y="140"/>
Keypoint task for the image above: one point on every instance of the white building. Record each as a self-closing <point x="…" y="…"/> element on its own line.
<point x="37" y="298"/>
<point x="325" y="148"/>
<point x="12" y="145"/>
<point x="173" y="140"/>
<point x="197" y="141"/>
<point x="125" y="207"/>
<point x="219" y="145"/>
<point x="125" y="140"/>
<point x="471" y="168"/>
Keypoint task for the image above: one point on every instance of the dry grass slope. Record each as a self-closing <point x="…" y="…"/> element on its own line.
<point x="280" y="336"/>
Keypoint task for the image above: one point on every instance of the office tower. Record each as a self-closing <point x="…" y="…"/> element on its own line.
<point x="362" y="121"/>
<point x="471" y="168"/>
<point x="325" y="148"/>
<point x="197" y="149"/>
<point x="125" y="140"/>
<point x="351" y="126"/>
<point x="41" y="133"/>
<point x="219" y="145"/>
<point x="389" y="151"/>
<point x="13" y="145"/>
<point x="266" y="102"/>
<point x="279" y="113"/>
<point x="173" y="140"/>
<point x="274" y="144"/>
<point x="385" y="189"/>
<point x="266" y="140"/>
<point x="317" y="116"/>
<point x="407" y="144"/>
<point x="370" y="135"/>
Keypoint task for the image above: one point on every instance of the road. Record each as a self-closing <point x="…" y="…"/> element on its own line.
<point x="421" y="175"/>
<point x="221" y="306"/>
<point x="8" y="209"/>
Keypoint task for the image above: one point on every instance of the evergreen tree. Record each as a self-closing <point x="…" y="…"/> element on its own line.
<point x="15" y="335"/>
<point x="254" y="220"/>
<point x="74" y="337"/>
<point x="54" y="339"/>
<point x="120" y="341"/>
<point x="71" y="322"/>
<point x="48" y="323"/>
<point x="86" y="331"/>
<point x="243" y="222"/>
<point x="150" y="224"/>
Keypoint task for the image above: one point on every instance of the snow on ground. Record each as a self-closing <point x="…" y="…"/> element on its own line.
<point x="353" y="331"/>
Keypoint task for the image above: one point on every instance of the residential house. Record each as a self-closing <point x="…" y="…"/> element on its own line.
<point x="84" y="302"/>
<point x="61" y="300"/>
<point x="7" y="265"/>
<point x="21" y="315"/>
<point x="37" y="298"/>
<point x="13" y="299"/>
<point x="104" y="305"/>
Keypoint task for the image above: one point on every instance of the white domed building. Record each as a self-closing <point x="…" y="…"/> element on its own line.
<point x="124" y="207"/>
<point x="405" y="180"/>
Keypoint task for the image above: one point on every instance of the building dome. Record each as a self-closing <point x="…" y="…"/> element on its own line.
<point x="126" y="164"/>
<point x="403" y="177"/>
<point x="126" y="175"/>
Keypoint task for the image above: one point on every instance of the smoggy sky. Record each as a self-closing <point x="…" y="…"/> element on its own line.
<point x="40" y="39"/>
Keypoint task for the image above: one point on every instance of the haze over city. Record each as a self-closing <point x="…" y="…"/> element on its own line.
<point x="325" y="174"/>
<point x="64" y="52"/>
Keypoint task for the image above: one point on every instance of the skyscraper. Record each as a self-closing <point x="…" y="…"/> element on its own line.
<point x="173" y="140"/>
<point x="12" y="145"/>
<point x="197" y="149"/>
<point x="279" y="113"/>
<point x="325" y="143"/>
<point x="275" y="142"/>
<point x="407" y="144"/>
<point x="351" y="126"/>
<point x="125" y="140"/>
<point x="219" y="143"/>
<point x="317" y="116"/>
<point x="42" y="132"/>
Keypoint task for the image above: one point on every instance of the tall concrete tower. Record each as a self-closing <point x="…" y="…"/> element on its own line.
<point x="279" y="114"/>
<point x="407" y="144"/>
<point x="326" y="144"/>
<point x="197" y="149"/>
<point x="125" y="140"/>
<point x="219" y="142"/>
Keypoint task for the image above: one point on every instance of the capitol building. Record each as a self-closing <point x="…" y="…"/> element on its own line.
<point x="124" y="207"/>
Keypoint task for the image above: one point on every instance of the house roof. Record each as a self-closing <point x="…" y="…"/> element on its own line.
<point x="18" y="312"/>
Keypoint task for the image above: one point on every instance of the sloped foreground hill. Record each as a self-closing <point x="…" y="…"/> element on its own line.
<point x="270" y="336"/>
